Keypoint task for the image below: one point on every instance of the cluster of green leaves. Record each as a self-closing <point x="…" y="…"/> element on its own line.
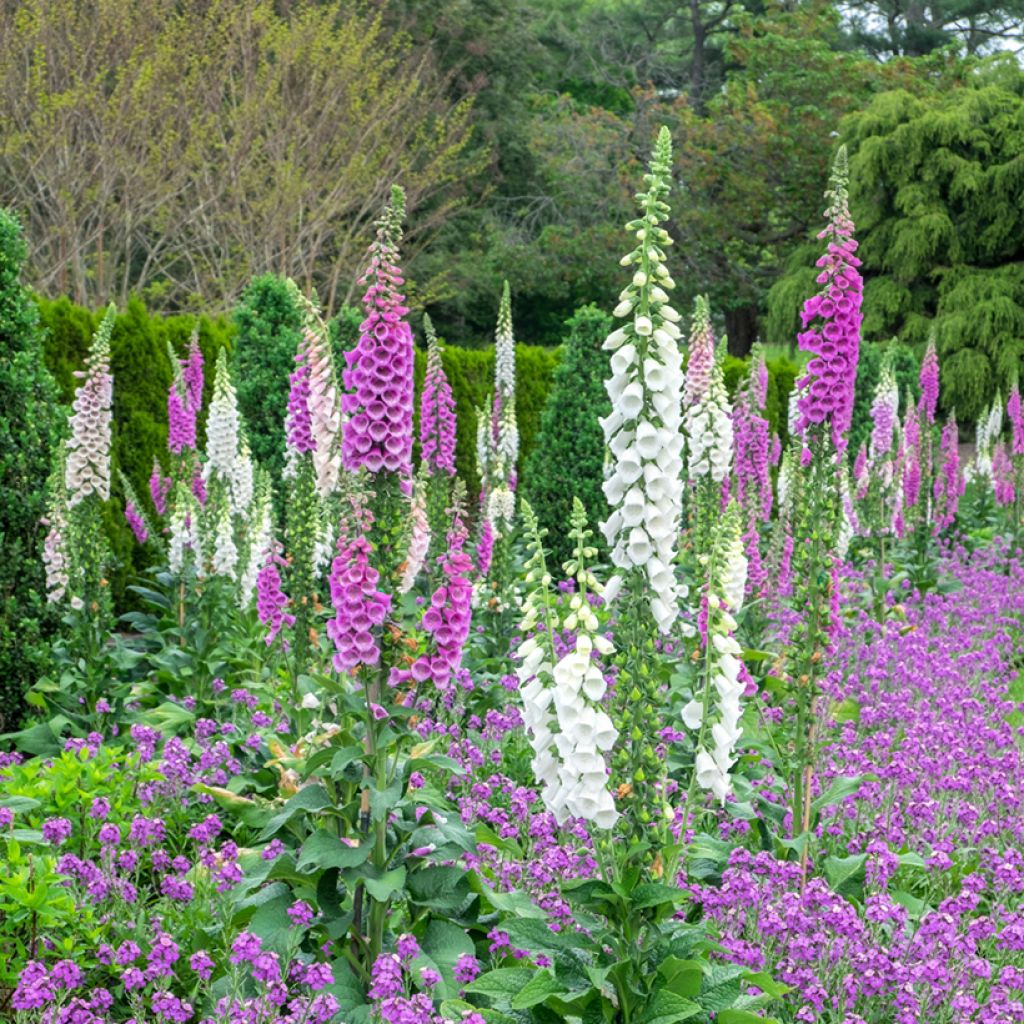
<point x="30" y="424"/>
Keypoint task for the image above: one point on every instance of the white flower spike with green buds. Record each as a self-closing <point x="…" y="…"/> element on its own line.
<point x="644" y="430"/>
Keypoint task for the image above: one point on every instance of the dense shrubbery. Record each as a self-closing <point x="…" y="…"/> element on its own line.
<point x="30" y="425"/>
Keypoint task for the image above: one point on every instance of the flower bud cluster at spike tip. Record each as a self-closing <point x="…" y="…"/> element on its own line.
<point x="706" y="420"/>
<point x="222" y="425"/>
<point x="359" y="607"/>
<point x="87" y="468"/>
<point x="832" y="320"/>
<point x="643" y="432"/>
<point x="437" y="410"/>
<point x="751" y="477"/>
<point x="271" y="600"/>
<point x="930" y="381"/>
<point x="379" y="377"/>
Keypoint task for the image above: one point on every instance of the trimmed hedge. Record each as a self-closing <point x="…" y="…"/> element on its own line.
<point x="471" y="375"/>
<point x="31" y="421"/>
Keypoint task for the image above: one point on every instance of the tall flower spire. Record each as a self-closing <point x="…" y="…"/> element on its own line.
<point x="930" y="381"/>
<point x="437" y="410"/>
<point x="87" y="468"/>
<point x="832" y="318"/>
<point x="324" y="403"/>
<point x="884" y="412"/>
<point x="379" y="378"/>
<point x="706" y="419"/>
<point x="505" y="387"/>
<point x="644" y="429"/>
<point x="222" y="426"/>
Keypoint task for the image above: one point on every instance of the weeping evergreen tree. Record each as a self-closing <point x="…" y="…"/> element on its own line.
<point x="936" y="182"/>
<point x="568" y="460"/>
<point x="30" y="424"/>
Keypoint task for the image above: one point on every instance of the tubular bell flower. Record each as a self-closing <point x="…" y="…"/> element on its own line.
<point x="225" y="553"/>
<point x="832" y="319"/>
<point x="884" y="413"/>
<point x="437" y="411"/>
<point x="298" y="424"/>
<point x="989" y="427"/>
<point x="56" y="556"/>
<point x="261" y="532"/>
<point x="379" y="377"/>
<point x="159" y="488"/>
<point x="87" y="468"/>
<point x="419" y="538"/>
<point x="643" y="430"/>
<point x="184" y="530"/>
<point x="242" y="478"/>
<point x="505" y="386"/>
<point x="1016" y="417"/>
<point x="133" y="511"/>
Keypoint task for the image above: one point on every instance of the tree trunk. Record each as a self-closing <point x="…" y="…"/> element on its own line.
<point x="741" y="327"/>
<point x="697" y="65"/>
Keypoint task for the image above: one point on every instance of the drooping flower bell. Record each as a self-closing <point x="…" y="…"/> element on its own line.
<point x="222" y="426"/>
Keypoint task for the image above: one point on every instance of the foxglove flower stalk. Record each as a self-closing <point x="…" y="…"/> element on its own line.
<point x="716" y="715"/>
<point x="832" y="320"/>
<point x="929" y="380"/>
<point x="1015" y="415"/>
<point x="184" y="539"/>
<point x="225" y="552"/>
<point x="948" y="482"/>
<point x="360" y="607"/>
<point x="447" y="618"/>
<point x="505" y="387"/>
<point x="419" y="538"/>
<point x="159" y="488"/>
<point x="182" y="407"/>
<point x="298" y="424"/>
<point x="242" y="478"/>
<point x="133" y="512"/>
<point x="379" y="377"/>
<point x="271" y="600"/>
<point x="751" y="481"/>
<point x="1003" y="483"/>
<point x="261" y="532"/>
<point x="988" y="430"/>
<point x="324" y="404"/>
<point x="911" y="456"/>
<point x="569" y="730"/>
<point x="706" y="416"/>
<point x="87" y="467"/>
<point x="222" y="426"/>
<point x="192" y="372"/>
<point x="56" y="553"/>
<point x="437" y="411"/>
<point x="484" y="548"/>
<point x="644" y="429"/>
<point x="884" y="413"/>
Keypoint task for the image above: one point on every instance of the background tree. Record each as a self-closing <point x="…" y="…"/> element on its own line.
<point x="936" y="185"/>
<point x="568" y="460"/>
<point x="30" y="424"/>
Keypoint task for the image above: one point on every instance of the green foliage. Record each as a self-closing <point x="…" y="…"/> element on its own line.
<point x="568" y="459"/>
<point x="936" y="181"/>
<point x="907" y="368"/>
<point x="471" y="375"/>
<point x="269" y="319"/>
<point x="782" y="374"/>
<point x="30" y="424"/>
<point x="142" y="375"/>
